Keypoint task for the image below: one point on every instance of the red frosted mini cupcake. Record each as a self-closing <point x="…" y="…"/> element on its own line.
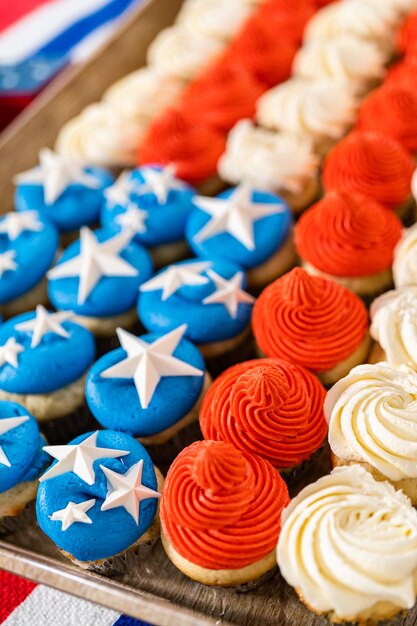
<point x="268" y="407"/>
<point x="371" y="164"/>
<point x="351" y="239"/>
<point x="407" y="35"/>
<point x="221" y="514"/>
<point x="313" y="322"/>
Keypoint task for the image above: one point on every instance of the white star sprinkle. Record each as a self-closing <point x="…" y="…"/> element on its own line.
<point x="119" y="192"/>
<point x="133" y="219"/>
<point x="13" y="223"/>
<point x="147" y="363"/>
<point x="73" y="513"/>
<point x="94" y="261"/>
<point x="234" y="215"/>
<point x="7" y="261"/>
<point x="43" y="323"/>
<point x="9" y="352"/>
<point x="127" y="490"/>
<point x="228" y="292"/>
<point x="176" y="276"/>
<point x="56" y="173"/>
<point x="6" y="425"/>
<point x="79" y="458"/>
<point x="160" y="182"/>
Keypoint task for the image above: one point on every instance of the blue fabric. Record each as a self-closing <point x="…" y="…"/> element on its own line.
<point x="125" y="620"/>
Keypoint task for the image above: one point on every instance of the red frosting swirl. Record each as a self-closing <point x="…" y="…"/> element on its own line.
<point x="225" y="93"/>
<point x="371" y="164"/>
<point x="407" y="35"/>
<point x="392" y="111"/>
<point x="403" y="74"/>
<point x="309" y="320"/>
<point x="348" y="235"/>
<point x="267" y="407"/>
<point x="192" y="146"/>
<point x="288" y="16"/>
<point x="221" y="508"/>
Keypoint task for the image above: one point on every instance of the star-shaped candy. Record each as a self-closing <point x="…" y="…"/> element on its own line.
<point x="73" y="513"/>
<point x="234" y="215"/>
<point x="228" y="292"/>
<point x="43" y="323"/>
<point x="132" y="219"/>
<point x="7" y="261"/>
<point x="146" y="363"/>
<point x="55" y="173"/>
<point x="94" y="261"/>
<point x="176" y="276"/>
<point x="119" y="192"/>
<point x="9" y="352"/>
<point x="160" y="182"/>
<point x="13" y="223"/>
<point x="127" y="490"/>
<point x="5" y="425"/>
<point x="79" y="458"/>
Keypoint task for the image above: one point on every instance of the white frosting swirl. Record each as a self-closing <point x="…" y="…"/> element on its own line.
<point x="372" y="415"/>
<point x="266" y="159"/>
<point x="315" y="108"/>
<point x="219" y="19"/>
<point x="394" y="326"/>
<point x="178" y="52"/>
<point x="99" y="136"/>
<point x="344" y="58"/>
<point x="143" y="94"/>
<point x="348" y="543"/>
<point x="404" y="267"/>
<point x="401" y="7"/>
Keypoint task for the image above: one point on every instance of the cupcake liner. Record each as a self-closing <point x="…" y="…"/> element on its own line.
<point x="164" y="454"/>
<point x="308" y="471"/>
<point x="123" y="562"/>
<point x="245" y="351"/>
<point x="63" y="429"/>
<point x="253" y="584"/>
<point x="13" y="523"/>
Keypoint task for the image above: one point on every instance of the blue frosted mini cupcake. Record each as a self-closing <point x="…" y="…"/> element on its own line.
<point x="69" y="195"/>
<point x="44" y="358"/>
<point x="98" y="502"/>
<point x="249" y="227"/>
<point x="207" y="295"/>
<point x="28" y="246"/>
<point x="154" y="205"/>
<point x="22" y="461"/>
<point x="151" y="387"/>
<point x="98" y="277"/>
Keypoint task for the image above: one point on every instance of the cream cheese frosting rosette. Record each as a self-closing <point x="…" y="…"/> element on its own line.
<point x="322" y="109"/>
<point x="349" y="547"/>
<point x="218" y="19"/>
<point x="372" y="416"/>
<point x="394" y="328"/>
<point x="279" y="162"/>
<point x="405" y="259"/>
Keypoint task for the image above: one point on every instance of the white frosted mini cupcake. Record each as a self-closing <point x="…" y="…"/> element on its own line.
<point x="405" y="259"/>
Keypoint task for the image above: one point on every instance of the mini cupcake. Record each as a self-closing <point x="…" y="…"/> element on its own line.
<point x="267" y="407"/>
<point x="313" y="322"/>
<point x="216" y="19"/>
<point x="394" y="328"/>
<point x="153" y="204"/>
<point x="301" y="106"/>
<point x="373" y="165"/>
<point x="221" y="514"/>
<point x="28" y="246"/>
<point x="348" y="546"/>
<point x="44" y="358"/>
<point x="62" y="191"/>
<point x="98" y="501"/>
<point x="151" y="387"/>
<point x="351" y="239"/>
<point x="244" y="225"/>
<point x="21" y="462"/>
<point x="283" y="163"/>
<point x="97" y="277"/>
<point x="404" y="267"/>
<point x="207" y="295"/>
<point x="372" y="421"/>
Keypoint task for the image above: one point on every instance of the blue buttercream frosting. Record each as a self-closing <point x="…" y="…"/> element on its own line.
<point x="78" y="205"/>
<point x="115" y="403"/>
<point x="111" y="531"/>
<point x="33" y="254"/>
<point x="270" y="233"/>
<point x="163" y="221"/>
<point x="206" y="323"/>
<point x="112" y="295"/>
<point x="22" y="446"/>
<point x="54" y="363"/>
